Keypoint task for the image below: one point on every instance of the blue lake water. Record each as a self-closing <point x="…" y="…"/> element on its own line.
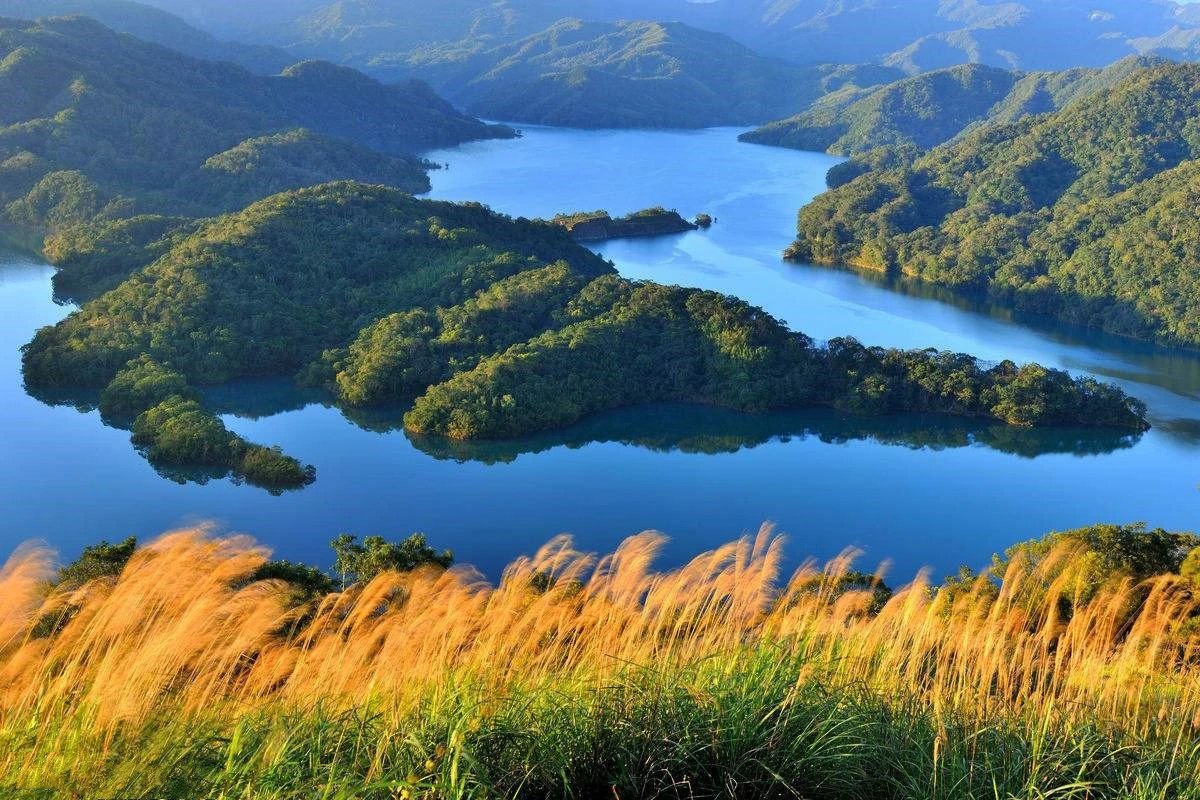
<point x="918" y="491"/>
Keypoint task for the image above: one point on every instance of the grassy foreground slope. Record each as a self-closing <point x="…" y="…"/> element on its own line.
<point x="1086" y="214"/>
<point x="194" y="667"/>
<point x="499" y="327"/>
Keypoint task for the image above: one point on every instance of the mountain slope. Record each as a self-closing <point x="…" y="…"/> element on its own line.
<point x="923" y="112"/>
<point x="154" y="25"/>
<point x="923" y="35"/>
<point x="1086" y="214"/>
<point x="632" y="74"/>
<point x="94" y="124"/>
<point x="927" y="110"/>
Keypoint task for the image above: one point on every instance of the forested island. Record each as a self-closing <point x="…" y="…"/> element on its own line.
<point x="1086" y="214"/>
<point x="498" y="327"/>
<point x="599" y="226"/>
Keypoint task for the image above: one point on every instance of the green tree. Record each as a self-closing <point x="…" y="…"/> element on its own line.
<point x="306" y="582"/>
<point x="1106" y="553"/>
<point x="102" y="560"/>
<point x="361" y="562"/>
<point x="1190" y="568"/>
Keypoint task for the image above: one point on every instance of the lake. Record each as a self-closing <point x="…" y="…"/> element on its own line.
<point x="917" y="491"/>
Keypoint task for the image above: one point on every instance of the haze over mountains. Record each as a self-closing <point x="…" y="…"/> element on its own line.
<point x="915" y="35"/>
<point x="629" y="74"/>
<point x="154" y="25"/>
<point x="679" y="63"/>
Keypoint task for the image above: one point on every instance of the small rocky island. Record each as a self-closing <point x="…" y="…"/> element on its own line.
<point x="599" y="226"/>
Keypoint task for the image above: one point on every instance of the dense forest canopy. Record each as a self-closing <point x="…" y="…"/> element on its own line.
<point x="628" y="74"/>
<point x="499" y="327"/>
<point x="1087" y="214"/>
<point x="927" y="110"/>
<point x="99" y="126"/>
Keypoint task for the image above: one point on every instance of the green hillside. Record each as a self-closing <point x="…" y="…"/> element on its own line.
<point x="628" y="74"/>
<point x="1087" y="214"/>
<point x="154" y="25"/>
<point x="98" y="125"/>
<point x="925" y="111"/>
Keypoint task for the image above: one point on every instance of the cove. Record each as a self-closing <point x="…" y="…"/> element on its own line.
<point x="918" y="491"/>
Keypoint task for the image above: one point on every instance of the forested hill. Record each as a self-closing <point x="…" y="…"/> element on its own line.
<point x="100" y="125"/>
<point x="500" y="327"/>
<point x="158" y="26"/>
<point x="927" y="110"/>
<point x="627" y="74"/>
<point x="1088" y="214"/>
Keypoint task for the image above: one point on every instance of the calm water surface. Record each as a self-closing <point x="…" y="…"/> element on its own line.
<point x="914" y="490"/>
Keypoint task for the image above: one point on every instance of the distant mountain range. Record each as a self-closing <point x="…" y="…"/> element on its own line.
<point x="628" y="74"/>
<point x="914" y="35"/>
<point x="689" y="63"/>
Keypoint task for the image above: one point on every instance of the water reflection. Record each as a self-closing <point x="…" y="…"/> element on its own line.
<point x="707" y="431"/>
<point x="659" y="428"/>
<point x="1174" y="369"/>
<point x="691" y="429"/>
<point x="923" y="492"/>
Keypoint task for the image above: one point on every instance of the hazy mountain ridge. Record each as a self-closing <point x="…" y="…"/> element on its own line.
<point x="154" y="25"/>
<point x="917" y="35"/>
<point x="631" y="74"/>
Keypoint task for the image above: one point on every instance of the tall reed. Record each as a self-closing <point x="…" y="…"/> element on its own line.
<point x="578" y="674"/>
